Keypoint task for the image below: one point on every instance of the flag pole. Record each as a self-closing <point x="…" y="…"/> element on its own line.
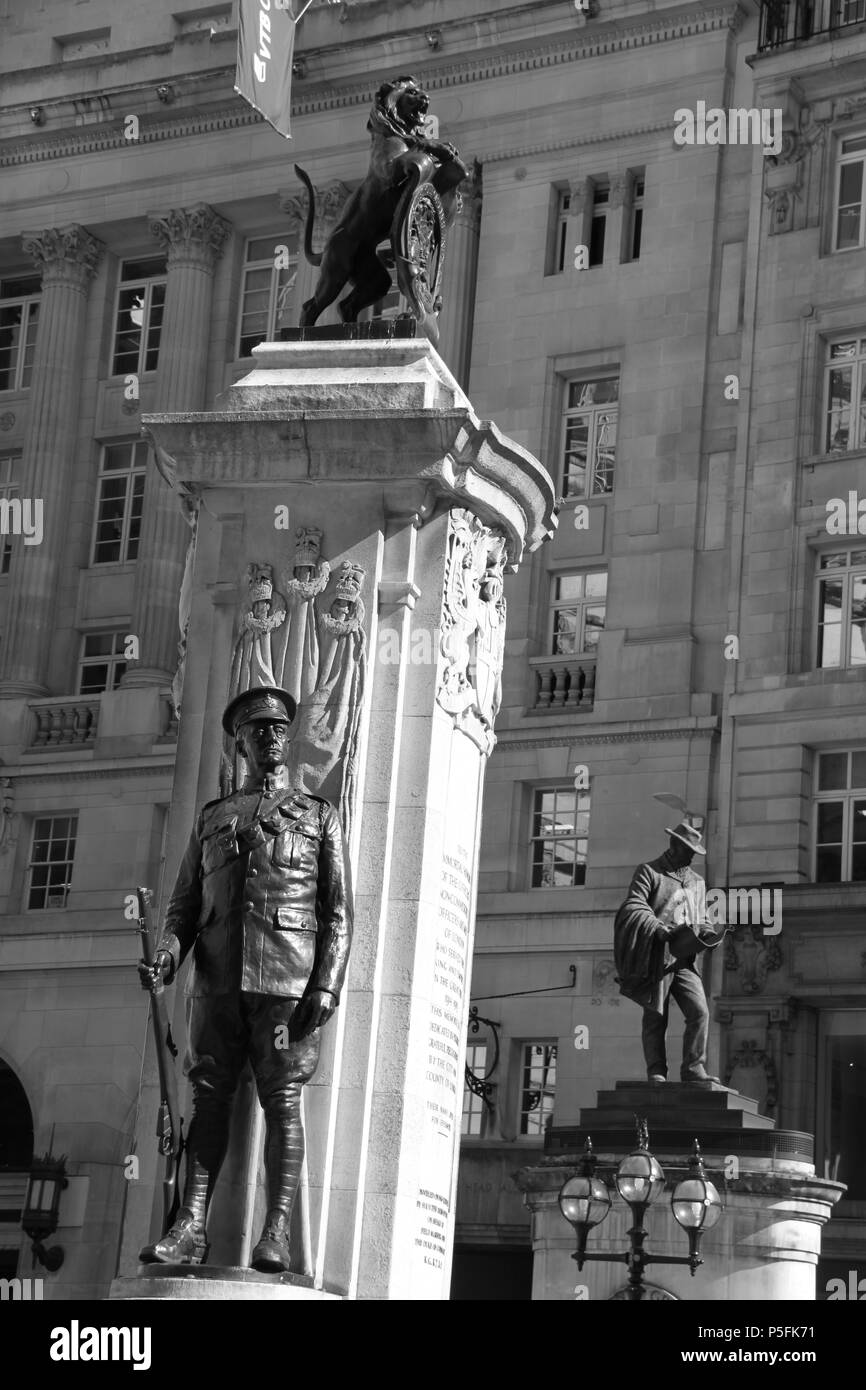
<point x="299" y="17"/>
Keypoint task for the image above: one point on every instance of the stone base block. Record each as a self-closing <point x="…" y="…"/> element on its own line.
<point x="225" y="1283"/>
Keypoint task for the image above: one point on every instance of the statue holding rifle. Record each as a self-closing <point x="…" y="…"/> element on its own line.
<point x="263" y="901"/>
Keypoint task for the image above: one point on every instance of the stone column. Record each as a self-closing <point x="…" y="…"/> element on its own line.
<point x="458" y="289"/>
<point x="294" y="202"/>
<point x="67" y="257"/>
<point x="193" y="239"/>
<point x="767" y="1242"/>
<point x="374" y="445"/>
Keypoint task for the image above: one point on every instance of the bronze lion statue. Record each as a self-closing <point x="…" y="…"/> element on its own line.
<point x="400" y="156"/>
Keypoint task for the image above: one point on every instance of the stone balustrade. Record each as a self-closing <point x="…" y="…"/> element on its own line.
<point x="69" y="721"/>
<point x="564" y="682"/>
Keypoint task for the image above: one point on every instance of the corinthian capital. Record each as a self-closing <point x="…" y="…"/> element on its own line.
<point x="191" y="236"/>
<point x="64" y="255"/>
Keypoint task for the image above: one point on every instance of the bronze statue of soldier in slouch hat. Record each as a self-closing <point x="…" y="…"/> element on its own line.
<point x="263" y="901"/>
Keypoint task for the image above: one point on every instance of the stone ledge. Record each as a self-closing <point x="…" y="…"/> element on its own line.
<point x="216" y="1283"/>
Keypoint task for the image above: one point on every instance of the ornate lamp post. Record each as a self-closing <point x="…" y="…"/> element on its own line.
<point x="585" y="1202"/>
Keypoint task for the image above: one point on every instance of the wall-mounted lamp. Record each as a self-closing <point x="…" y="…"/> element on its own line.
<point x="37" y="115"/>
<point x="434" y="38"/>
<point x="47" y="1181"/>
<point x="165" y="94"/>
<point x="299" y="67"/>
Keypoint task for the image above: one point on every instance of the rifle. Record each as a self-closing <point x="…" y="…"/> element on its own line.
<point x="169" y="1125"/>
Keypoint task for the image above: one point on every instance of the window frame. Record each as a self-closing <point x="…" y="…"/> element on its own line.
<point x="131" y="473"/>
<point x="848" y="795"/>
<point x="147" y="282"/>
<point x="855" y="157"/>
<point x="857" y="363"/>
<point x="281" y="238"/>
<point x="568" y="413"/>
<point x="524" y="1071"/>
<point x="847" y="574"/>
<point x="112" y="661"/>
<point x="29" y="302"/>
<point x="582" y="604"/>
<point x="582" y="805"/>
<point x="473" y="1106"/>
<point x="9" y="487"/>
<point x="71" y="837"/>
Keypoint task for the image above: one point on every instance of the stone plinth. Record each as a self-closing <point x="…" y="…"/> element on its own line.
<point x="208" y="1283"/>
<point x="768" y="1239"/>
<point x="374" y="446"/>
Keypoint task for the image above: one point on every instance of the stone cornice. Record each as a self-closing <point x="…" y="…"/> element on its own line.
<point x="595" y="42"/>
<point x="708" y="730"/>
<point x="34" y="773"/>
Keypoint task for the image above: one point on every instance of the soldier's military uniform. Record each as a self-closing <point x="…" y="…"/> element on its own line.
<point x="263" y="900"/>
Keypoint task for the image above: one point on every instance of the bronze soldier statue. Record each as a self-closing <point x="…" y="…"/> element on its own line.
<point x="658" y="932"/>
<point x="263" y="900"/>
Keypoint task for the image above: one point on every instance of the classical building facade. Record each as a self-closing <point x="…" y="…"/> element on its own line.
<point x="667" y="308"/>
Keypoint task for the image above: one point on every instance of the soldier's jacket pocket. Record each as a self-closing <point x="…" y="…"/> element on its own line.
<point x="219" y="847"/>
<point x="295" y="844"/>
<point x="290" y="919"/>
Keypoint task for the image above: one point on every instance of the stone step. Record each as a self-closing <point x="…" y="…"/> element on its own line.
<point x="671" y="1117"/>
<point x="640" y="1093"/>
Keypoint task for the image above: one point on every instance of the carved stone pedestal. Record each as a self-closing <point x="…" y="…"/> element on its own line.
<point x="355" y="520"/>
<point x="766" y="1244"/>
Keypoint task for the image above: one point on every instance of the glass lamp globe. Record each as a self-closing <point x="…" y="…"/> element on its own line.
<point x="584" y="1201"/>
<point x="640" y="1178"/>
<point x="696" y="1204"/>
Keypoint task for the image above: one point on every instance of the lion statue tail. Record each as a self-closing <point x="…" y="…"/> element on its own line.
<point x="314" y="257"/>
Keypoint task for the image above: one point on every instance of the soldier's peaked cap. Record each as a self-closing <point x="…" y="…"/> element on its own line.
<point x="266" y="702"/>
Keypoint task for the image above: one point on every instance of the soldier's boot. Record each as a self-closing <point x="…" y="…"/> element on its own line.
<point x="284" y="1157"/>
<point x="185" y="1242"/>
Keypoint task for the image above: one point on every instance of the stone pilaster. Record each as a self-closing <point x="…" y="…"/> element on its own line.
<point x="193" y="239"/>
<point x="67" y="257"/>
<point x="458" y="292"/>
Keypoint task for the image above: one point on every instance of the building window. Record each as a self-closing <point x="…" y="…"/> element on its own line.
<point x="841" y="621"/>
<point x="850" y="200"/>
<point x="119" y="502"/>
<point x="598" y="226"/>
<point x="589" y="436"/>
<point x="577" y="612"/>
<point x="49" y="872"/>
<point x="561" y="227"/>
<point x="537" y="1087"/>
<point x="560" y="829"/>
<point x="138" y="319"/>
<point x="19" y="316"/>
<point x="474" y="1109"/>
<point x="840" y="817"/>
<point x="102" y="662"/>
<point x="849" y="12"/>
<point x="845" y="396"/>
<point x="842" y="1099"/>
<point x="636" y="217"/>
<point x="9" y="487"/>
<point x="270" y="271"/>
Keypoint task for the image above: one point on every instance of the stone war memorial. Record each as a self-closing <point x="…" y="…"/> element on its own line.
<point x="344" y="498"/>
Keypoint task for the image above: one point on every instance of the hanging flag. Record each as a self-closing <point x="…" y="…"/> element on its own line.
<point x="266" y="44"/>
